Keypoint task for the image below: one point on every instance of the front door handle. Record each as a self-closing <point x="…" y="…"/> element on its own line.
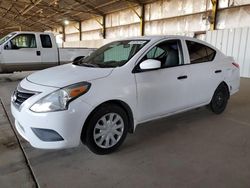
<point x="38" y="53"/>
<point x="218" y="71"/>
<point x="182" y="77"/>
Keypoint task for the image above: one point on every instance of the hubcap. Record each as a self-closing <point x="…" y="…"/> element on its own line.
<point x="219" y="99"/>
<point x="108" y="130"/>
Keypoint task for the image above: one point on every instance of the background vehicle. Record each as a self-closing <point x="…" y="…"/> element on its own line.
<point x="121" y="85"/>
<point x="22" y="51"/>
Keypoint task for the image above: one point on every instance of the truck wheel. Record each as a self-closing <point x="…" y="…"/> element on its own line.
<point x="220" y="98"/>
<point x="107" y="129"/>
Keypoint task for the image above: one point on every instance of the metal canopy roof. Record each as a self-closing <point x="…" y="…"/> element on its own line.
<point x="41" y="15"/>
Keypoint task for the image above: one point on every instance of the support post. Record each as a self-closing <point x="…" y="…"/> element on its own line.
<point x="80" y="30"/>
<point x="140" y="16"/>
<point x="64" y="35"/>
<point x="104" y="26"/>
<point x="214" y="15"/>
<point x="142" y="20"/>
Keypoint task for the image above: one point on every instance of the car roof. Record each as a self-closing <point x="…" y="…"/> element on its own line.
<point x="31" y="32"/>
<point x="159" y="37"/>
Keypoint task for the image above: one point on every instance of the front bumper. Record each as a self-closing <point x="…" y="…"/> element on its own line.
<point x="68" y="124"/>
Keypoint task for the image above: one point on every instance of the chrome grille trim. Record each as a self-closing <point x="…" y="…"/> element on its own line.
<point x="20" y="95"/>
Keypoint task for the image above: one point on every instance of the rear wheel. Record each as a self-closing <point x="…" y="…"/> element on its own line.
<point x="220" y="99"/>
<point x="107" y="129"/>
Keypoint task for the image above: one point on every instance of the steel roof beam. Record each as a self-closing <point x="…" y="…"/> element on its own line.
<point x="22" y="16"/>
<point x="89" y="6"/>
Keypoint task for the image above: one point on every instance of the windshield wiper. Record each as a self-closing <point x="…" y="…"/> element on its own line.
<point x="88" y="65"/>
<point x="106" y="66"/>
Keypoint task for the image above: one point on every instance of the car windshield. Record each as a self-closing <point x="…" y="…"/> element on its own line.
<point x="7" y="37"/>
<point x="114" y="54"/>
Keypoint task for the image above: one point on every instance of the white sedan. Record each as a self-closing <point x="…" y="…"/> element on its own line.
<point x="100" y="99"/>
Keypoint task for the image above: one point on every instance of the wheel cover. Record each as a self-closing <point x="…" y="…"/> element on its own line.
<point x="108" y="130"/>
<point x="219" y="100"/>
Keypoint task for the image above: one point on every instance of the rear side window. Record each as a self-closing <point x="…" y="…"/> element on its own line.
<point x="199" y="53"/>
<point x="46" y="41"/>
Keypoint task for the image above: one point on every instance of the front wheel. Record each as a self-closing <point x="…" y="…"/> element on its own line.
<point x="220" y="99"/>
<point x="106" y="129"/>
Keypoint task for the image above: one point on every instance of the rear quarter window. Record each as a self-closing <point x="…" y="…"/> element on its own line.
<point x="200" y="53"/>
<point x="46" y="41"/>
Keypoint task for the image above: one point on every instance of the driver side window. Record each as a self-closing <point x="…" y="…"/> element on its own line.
<point x="23" y="41"/>
<point x="169" y="53"/>
<point x="154" y="53"/>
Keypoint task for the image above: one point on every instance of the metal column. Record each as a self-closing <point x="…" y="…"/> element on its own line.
<point x="104" y="26"/>
<point x="142" y="20"/>
<point x="80" y="30"/>
<point x="214" y="15"/>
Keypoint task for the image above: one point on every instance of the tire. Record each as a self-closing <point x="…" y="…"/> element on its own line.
<point x="106" y="129"/>
<point x="220" y="98"/>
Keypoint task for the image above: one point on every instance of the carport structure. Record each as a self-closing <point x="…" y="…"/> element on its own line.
<point x="41" y="15"/>
<point x="81" y="23"/>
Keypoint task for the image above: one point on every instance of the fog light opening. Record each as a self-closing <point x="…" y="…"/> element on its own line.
<point x="47" y="135"/>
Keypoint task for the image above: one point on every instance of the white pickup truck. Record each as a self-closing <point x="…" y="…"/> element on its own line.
<point x="22" y="51"/>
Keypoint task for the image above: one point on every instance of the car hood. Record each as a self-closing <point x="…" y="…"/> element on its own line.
<point x="68" y="74"/>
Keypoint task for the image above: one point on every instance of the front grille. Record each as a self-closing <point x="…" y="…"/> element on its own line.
<point x="20" y="95"/>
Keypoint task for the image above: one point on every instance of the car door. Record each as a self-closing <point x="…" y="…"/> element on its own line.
<point x="162" y="91"/>
<point x="205" y="74"/>
<point x="49" y="52"/>
<point x="22" y="52"/>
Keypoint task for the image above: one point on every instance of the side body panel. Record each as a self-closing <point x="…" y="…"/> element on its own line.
<point x="21" y="59"/>
<point x="204" y="77"/>
<point x="49" y="56"/>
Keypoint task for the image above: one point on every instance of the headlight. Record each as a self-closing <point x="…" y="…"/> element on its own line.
<point x="60" y="99"/>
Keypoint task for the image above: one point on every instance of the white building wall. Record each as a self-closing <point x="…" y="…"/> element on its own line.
<point x="92" y="29"/>
<point x="163" y="17"/>
<point x="72" y="32"/>
<point x="169" y="9"/>
<point x="233" y="18"/>
<point x="174" y="17"/>
<point x="124" y="17"/>
<point x="123" y="24"/>
<point x="123" y="31"/>
<point x="177" y="25"/>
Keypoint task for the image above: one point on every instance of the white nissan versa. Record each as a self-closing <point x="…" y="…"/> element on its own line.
<point x="120" y="85"/>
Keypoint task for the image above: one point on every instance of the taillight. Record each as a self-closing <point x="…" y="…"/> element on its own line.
<point x="236" y="65"/>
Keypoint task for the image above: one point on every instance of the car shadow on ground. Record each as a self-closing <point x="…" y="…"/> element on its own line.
<point x="146" y="133"/>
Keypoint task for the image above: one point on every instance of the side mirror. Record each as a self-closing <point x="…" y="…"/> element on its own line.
<point x="7" y="46"/>
<point x="79" y="59"/>
<point x="150" y="64"/>
<point x="11" y="46"/>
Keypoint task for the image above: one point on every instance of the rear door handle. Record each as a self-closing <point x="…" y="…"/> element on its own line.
<point x="38" y="53"/>
<point x="182" y="77"/>
<point x="218" y="71"/>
